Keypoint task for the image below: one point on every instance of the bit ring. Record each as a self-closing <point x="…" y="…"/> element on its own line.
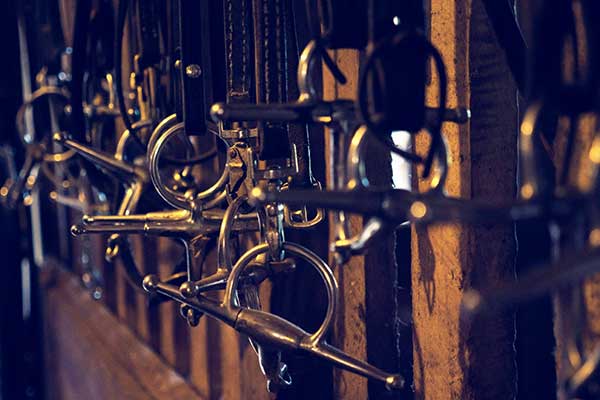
<point x="230" y="298"/>
<point x="176" y="199"/>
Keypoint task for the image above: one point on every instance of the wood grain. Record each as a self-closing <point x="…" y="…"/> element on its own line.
<point x="349" y="332"/>
<point x="455" y="358"/>
<point x="96" y="357"/>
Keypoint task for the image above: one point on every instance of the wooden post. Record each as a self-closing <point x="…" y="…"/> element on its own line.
<point x="174" y="331"/>
<point x="350" y="328"/>
<point x="365" y="326"/>
<point x="453" y="358"/>
<point x="148" y="323"/>
<point x="96" y="357"/>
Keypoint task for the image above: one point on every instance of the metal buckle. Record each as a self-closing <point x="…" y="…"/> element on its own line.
<point x="235" y="134"/>
<point x="299" y="218"/>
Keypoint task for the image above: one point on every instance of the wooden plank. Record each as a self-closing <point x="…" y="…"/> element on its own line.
<point x="145" y="250"/>
<point x="199" y="353"/>
<point x="125" y="297"/>
<point x="228" y="366"/>
<point x="98" y="358"/>
<point x="167" y="310"/>
<point x="203" y="343"/>
<point x="349" y="333"/>
<point x="174" y="332"/>
<point x="379" y="314"/>
<point x="109" y="295"/>
<point x="454" y="358"/>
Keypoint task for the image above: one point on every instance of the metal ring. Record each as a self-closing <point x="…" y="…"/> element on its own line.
<point x="229" y="299"/>
<point x="355" y="167"/>
<point x="126" y="136"/>
<point x="223" y="261"/>
<point x="306" y="86"/>
<point x="20" y="123"/>
<point x="35" y="96"/>
<point x="175" y="199"/>
<point x="58" y="157"/>
<point x="527" y="159"/>
<point x="160" y="129"/>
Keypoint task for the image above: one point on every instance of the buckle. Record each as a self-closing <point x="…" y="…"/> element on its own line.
<point x="299" y="218"/>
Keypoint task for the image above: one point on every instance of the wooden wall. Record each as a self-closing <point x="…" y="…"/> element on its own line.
<point x="455" y="358"/>
<point x="119" y="348"/>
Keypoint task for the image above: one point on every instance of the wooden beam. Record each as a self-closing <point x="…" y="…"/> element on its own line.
<point x="145" y="250"/>
<point x="454" y="358"/>
<point x="96" y="357"/>
<point x="350" y="327"/>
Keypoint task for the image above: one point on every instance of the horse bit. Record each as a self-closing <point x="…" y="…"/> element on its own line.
<point x="214" y="150"/>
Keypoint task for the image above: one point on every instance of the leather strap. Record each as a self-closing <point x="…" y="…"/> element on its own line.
<point x="271" y="72"/>
<point x="238" y="30"/>
<point x="80" y="38"/>
<point x="195" y="68"/>
<point x="101" y="35"/>
<point x="148" y="36"/>
<point x="298" y="31"/>
<point x="266" y="73"/>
